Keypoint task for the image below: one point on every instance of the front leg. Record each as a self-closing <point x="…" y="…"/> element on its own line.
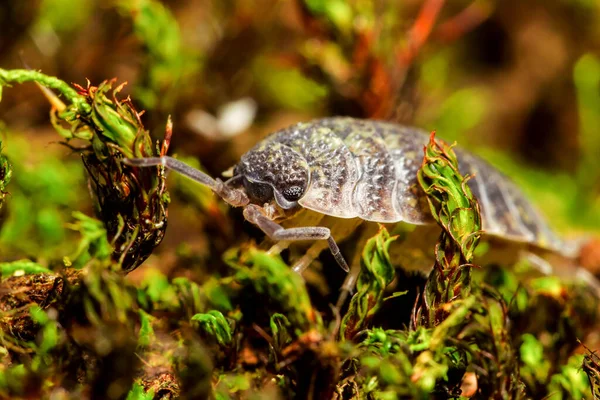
<point x="273" y="230"/>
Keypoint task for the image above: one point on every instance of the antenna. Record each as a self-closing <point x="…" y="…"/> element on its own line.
<point x="235" y="197"/>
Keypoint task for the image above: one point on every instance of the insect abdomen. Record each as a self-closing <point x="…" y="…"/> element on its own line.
<point x="388" y="157"/>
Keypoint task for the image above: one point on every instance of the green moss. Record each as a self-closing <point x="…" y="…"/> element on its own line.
<point x="196" y="325"/>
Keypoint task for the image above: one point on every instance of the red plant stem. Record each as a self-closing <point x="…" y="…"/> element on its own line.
<point x="420" y="31"/>
<point x="464" y="22"/>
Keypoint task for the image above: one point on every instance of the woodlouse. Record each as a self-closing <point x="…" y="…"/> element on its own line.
<point x="360" y="170"/>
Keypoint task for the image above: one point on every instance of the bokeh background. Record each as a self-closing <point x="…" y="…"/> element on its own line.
<point x="515" y="81"/>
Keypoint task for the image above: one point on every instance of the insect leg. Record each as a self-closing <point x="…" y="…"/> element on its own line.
<point x="277" y="232"/>
<point x="348" y="285"/>
<point x="311" y="254"/>
<point x="355" y="267"/>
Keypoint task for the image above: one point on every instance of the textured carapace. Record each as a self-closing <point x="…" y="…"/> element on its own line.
<point x="275" y="168"/>
<point x="351" y="168"/>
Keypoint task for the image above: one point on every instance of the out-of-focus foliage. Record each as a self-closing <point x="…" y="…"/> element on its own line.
<point x="38" y="210"/>
<point x="586" y="75"/>
<point x="131" y="202"/>
<point x="268" y="277"/>
<point x="591" y="366"/>
<point x="288" y="88"/>
<point x="213" y="314"/>
<point x="376" y="274"/>
<point x="574" y="200"/>
<point x="215" y="325"/>
<point x="5" y="174"/>
<point x="60" y="17"/>
<point x="93" y="243"/>
<point x="169" y="63"/>
<point x="21" y="267"/>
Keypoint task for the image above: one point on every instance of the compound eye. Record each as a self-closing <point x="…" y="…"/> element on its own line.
<point x="293" y="193"/>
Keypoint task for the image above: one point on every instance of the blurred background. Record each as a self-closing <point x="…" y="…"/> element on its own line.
<point x="517" y="82"/>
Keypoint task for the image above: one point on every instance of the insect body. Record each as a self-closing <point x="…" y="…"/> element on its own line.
<point x="357" y="169"/>
<point x="350" y="168"/>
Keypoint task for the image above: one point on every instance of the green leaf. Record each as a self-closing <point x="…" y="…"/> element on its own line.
<point x="287" y="87"/>
<point x="61" y="16"/>
<point x="38" y="315"/>
<point x="93" y="243"/>
<point x="389" y="373"/>
<point x="169" y="62"/>
<point x="43" y="190"/>
<point x="456" y="211"/>
<point x="532" y="356"/>
<point x="451" y="201"/>
<point x="25" y="75"/>
<point x="137" y="392"/>
<point x="49" y="334"/>
<point x="5" y="175"/>
<point x="338" y="12"/>
<point x="571" y="382"/>
<point x="586" y="75"/>
<point x="270" y="277"/>
<point x="217" y="295"/>
<point x="22" y="267"/>
<point x="215" y="325"/>
<point x="146" y="335"/>
<point x="462" y="111"/>
<point x="159" y="290"/>
<point x="280" y="325"/>
<point x="375" y="275"/>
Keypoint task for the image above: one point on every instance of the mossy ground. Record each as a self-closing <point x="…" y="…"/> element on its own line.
<point x="92" y="307"/>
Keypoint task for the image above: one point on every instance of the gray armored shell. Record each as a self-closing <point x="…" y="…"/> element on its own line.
<point x="351" y="168"/>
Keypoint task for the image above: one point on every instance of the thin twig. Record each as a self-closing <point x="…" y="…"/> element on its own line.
<point x="464" y="22"/>
<point x="420" y="30"/>
<point x="24" y="75"/>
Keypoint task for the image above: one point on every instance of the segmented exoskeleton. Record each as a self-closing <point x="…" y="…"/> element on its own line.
<point x="357" y="169"/>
